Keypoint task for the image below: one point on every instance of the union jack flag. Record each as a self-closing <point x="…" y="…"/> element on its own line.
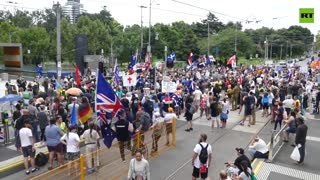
<point x="107" y="105"/>
<point x="106" y="100"/>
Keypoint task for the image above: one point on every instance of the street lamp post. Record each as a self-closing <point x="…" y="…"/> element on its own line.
<point x="149" y="38"/>
<point x="141" y="29"/>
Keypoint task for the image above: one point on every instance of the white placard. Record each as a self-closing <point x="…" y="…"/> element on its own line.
<point x="59" y="65"/>
<point x="169" y="86"/>
<point x="129" y="80"/>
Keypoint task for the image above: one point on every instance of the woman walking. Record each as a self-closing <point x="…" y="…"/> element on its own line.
<point x="139" y="168"/>
<point x="91" y="138"/>
<point x="225" y="112"/>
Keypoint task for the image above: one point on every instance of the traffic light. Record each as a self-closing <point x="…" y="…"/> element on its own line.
<point x="152" y="75"/>
<point x="101" y="68"/>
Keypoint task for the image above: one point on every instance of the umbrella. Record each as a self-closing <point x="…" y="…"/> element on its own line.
<point x="74" y="91"/>
<point x="10" y="98"/>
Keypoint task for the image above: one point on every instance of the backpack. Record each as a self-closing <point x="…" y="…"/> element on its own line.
<point x="192" y="109"/>
<point x="203" y="156"/>
<point x="41" y="159"/>
<point x="145" y="121"/>
<point x="150" y="105"/>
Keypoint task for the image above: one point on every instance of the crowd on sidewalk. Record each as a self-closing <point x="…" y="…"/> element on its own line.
<point x="212" y="90"/>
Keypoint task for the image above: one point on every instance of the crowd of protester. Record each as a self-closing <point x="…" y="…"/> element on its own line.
<point x="213" y="90"/>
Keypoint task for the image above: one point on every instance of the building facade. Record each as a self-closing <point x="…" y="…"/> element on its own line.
<point x="72" y="10"/>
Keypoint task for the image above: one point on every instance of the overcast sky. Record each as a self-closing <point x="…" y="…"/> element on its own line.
<point x="127" y="12"/>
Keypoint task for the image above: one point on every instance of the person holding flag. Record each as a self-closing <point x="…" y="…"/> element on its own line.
<point x="170" y="60"/>
<point x="232" y="61"/>
<point x="116" y="74"/>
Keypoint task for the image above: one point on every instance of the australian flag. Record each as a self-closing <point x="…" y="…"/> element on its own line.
<point x="107" y="106"/>
<point x="177" y="99"/>
<point x="133" y="61"/>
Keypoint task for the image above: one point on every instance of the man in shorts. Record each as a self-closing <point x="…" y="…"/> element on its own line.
<point x="27" y="146"/>
<point x="201" y="169"/>
<point x="53" y="134"/>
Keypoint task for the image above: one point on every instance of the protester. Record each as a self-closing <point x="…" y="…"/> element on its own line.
<point x="292" y="126"/>
<point x="188" y="114"/>
<point x="122" y="133"/>
<point x="215" y="109"/>
<point x="91" y="138"/>
<point x="53" y="135"/>
<point x="138" y="167"/>
<point x="258" y="149"/>
<point x="224" y="112"/>
<point x="168" y="118"/>
<point x="301" y="136"/>
<point x="72" y="141"/>
<point x="201" y="159"/>
<point x="27" y="146"/>
<point x="157" y="127"/>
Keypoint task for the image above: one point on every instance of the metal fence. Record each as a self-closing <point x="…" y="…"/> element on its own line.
<point x="276" y="143"/>
<point x="108" y="164"/>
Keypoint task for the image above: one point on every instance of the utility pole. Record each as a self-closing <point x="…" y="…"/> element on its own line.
<point x="141" y="29"/>
<point x="271" y="50"/>
<point x="266" y="46"/>
<point x="208" y="36"/>
<point x="149" y="39"/>
<point x="290" y="51"/>
<point x="58" y="10"/>
<point x="287" y="50"/>
<point x="235" y="39"/>
<point x="281" y="52"/>
<point x="165" y="62"/>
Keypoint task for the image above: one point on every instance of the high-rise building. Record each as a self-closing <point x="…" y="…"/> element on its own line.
<point x="73" y="9"/>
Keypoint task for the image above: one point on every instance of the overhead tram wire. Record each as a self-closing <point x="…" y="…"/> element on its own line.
<point x="214" y="12"/>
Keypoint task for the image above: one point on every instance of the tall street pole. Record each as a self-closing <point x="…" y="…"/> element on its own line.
<point x="58" y="41"/>
<point x="149" y="39"/>
<point x="141" y="29"/>
<point x="281" y="52"/>
<point x="235" y="39"/>
<point x="208" y="36"/>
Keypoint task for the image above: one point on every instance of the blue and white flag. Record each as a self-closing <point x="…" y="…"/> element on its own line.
<point x="133" y="60"/>
<point x="74" y="118"/>
<point x="208" y="61"/>
<point x="116" y="74"/>
<point x="171" y="57"/>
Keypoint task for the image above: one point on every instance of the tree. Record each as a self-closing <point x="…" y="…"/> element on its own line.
<point x="318" y="40"/>
<point x="225" y="42"/>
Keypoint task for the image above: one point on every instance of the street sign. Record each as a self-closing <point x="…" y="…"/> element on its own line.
<point x="59" y="65"/>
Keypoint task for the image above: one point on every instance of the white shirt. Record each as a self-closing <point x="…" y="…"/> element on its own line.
<point x="260" y="146"/>
<point x="259" y="80"/>
<point x="226" y="106"/>
<point x="197" y="94"/>
<point x="197" y="149"/>
<point x="288" y="103"/>
<point x="25" y="137"/>
<point x="90" y="139"/>
<point x="244" y="176"/>
<point x="169" y="116"/>
<point x="72" y="141"/>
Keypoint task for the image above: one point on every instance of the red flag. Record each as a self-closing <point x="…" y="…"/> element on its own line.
<point x="78" y="81"/>
<point x="232" y="60"/>
<point x="190" y="58"/>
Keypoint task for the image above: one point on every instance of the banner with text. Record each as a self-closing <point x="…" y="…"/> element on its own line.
<point x="169" y="86"/>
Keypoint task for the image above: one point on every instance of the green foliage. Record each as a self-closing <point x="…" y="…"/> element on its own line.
<point x="37" y="31"/>
<point x="318" y="41"/>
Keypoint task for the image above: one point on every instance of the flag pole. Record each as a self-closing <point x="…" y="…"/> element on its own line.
<point x="95" y="95"/>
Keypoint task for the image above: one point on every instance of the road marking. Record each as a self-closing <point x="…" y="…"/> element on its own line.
<point x="312" y="138"/>
<point x="256" y="170"/>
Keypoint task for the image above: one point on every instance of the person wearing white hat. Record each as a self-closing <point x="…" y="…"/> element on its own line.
<point x="157" y="128"/>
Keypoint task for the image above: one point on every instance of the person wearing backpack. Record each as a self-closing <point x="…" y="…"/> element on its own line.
<point x="188" y="113"/>
<point x="265" y="104"/>
<point x="201" y="159"/>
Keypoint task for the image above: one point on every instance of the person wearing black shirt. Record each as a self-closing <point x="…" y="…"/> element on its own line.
<point x="241" y="158"/>
<point x="301" y="135"/>
<point x="122" y="133"/>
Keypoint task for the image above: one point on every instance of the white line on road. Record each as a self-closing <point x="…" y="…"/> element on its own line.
<point x="311" y="138"/>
